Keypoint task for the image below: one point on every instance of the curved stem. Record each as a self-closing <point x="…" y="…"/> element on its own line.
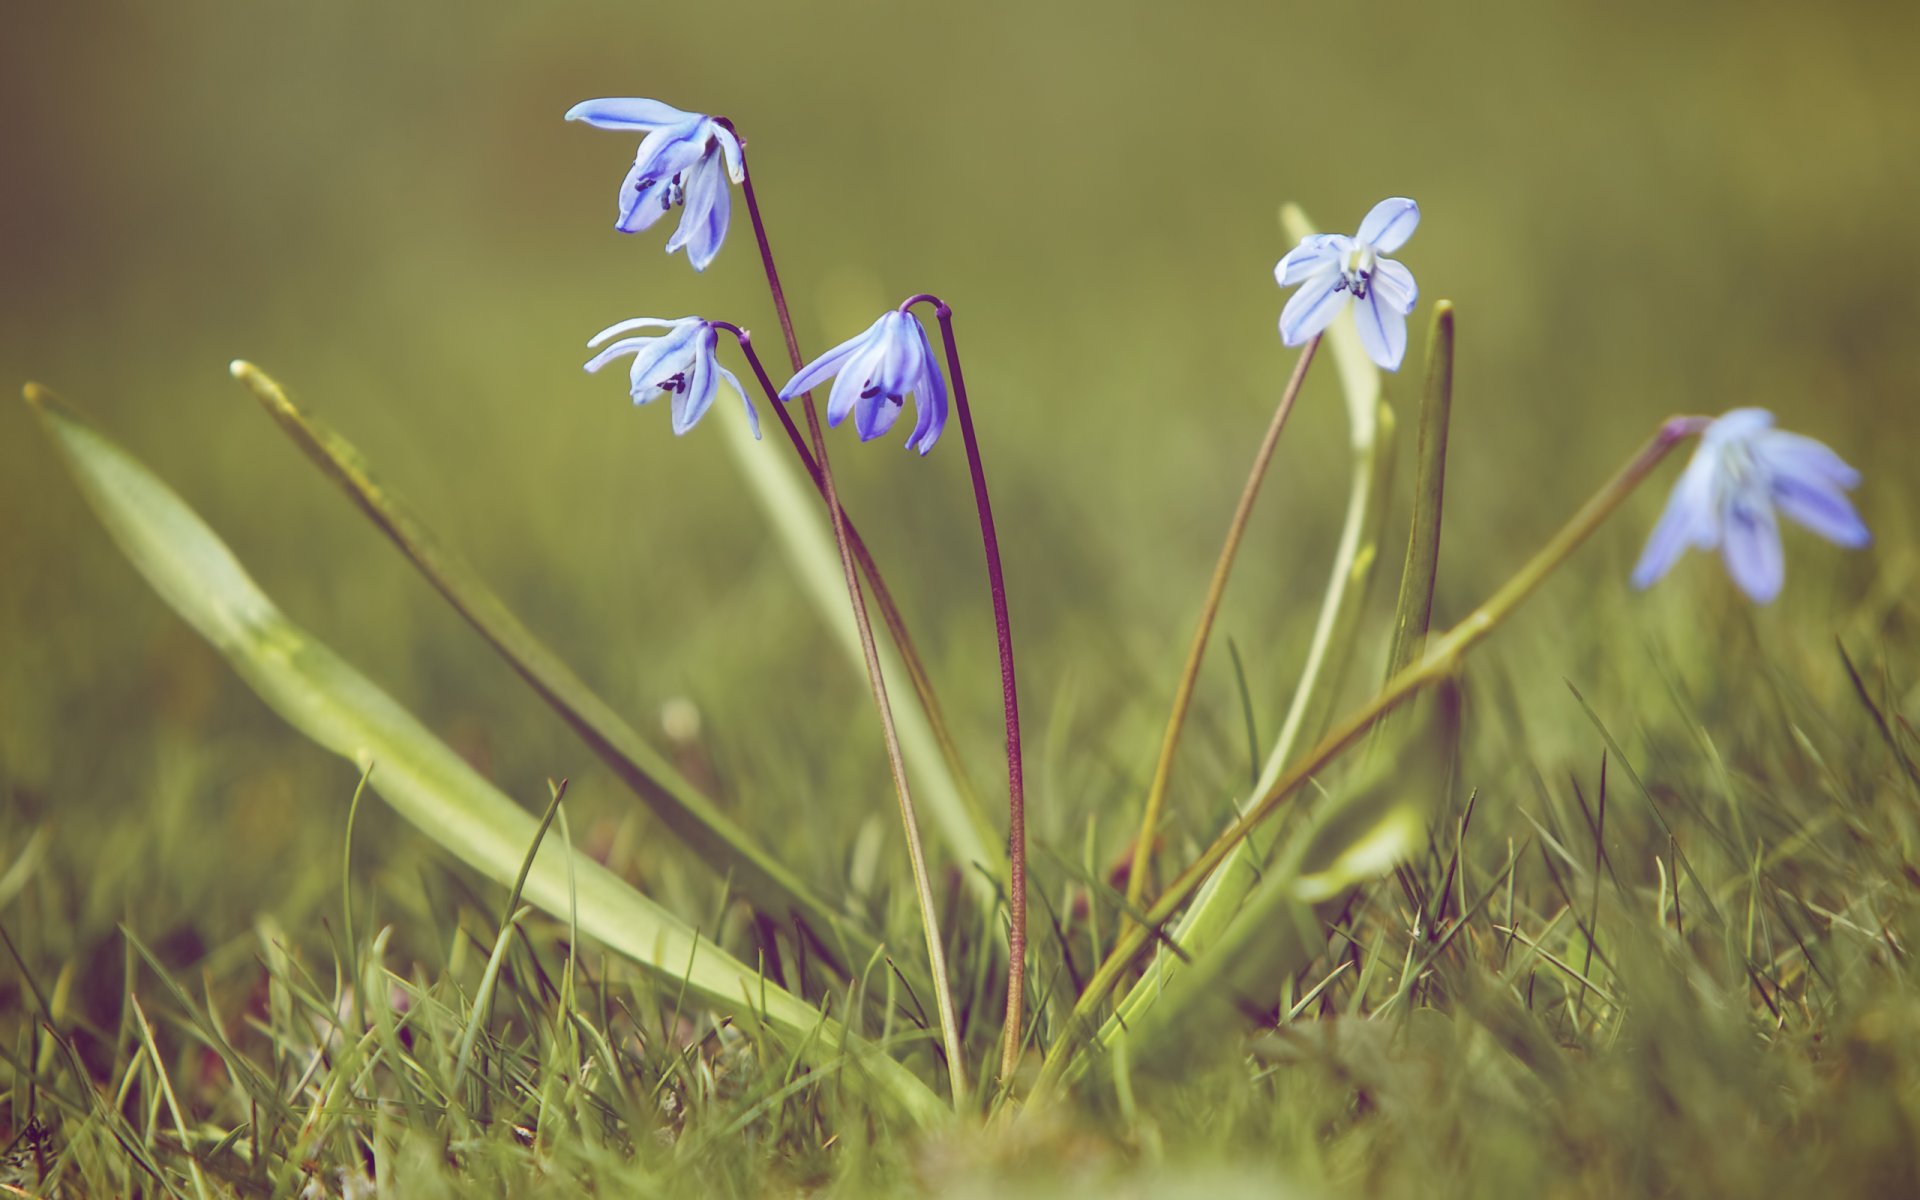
<point x="916" y="853"/>
<point x="882" y="597"/>
<point x="1209" y="608"/>
<point x="1441" y="660"/>
<point x="923" y="887"/>
<point x="1010" y="702"/>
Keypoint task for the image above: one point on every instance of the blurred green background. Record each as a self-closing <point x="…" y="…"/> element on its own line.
<point x="1639" y="209"/>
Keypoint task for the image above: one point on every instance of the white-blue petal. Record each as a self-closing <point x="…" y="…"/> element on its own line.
<point x="931" y="397"/>
<point x="1804" y="458"/>
<point x="753" y="415"/>
<point x="626" y="113"/>
<point x="730" y="147"/>
<point x="620" y="327"/>
<point x="1750" y="544"/>
<point x="1395" y="284"/>
<point x="826" y="365"/>
<point x="1389" y="225"/>
<point x="692" y="401"/>
<point x="1821" y="508"/>
<point x="853" y="378"/>
<point x="1383" y="330"/>
<point x="1688" y="520"/>
<point x="1316" y="252"/>
<point x="1312" y="308"/>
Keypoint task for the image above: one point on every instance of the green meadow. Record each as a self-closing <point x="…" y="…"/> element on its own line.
<point x="421" y="773"/>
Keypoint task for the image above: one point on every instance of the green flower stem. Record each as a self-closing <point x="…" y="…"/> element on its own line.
<point x="1440" y="661"/>
<point x="1209" y="608"/>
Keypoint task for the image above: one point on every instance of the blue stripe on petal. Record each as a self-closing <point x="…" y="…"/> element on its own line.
<point x="1804" y="458"/>
<point x="1389" y="225"/>
<point x="1319" y="252"/>
<point x="1383" y="330"/>
<point x="1312" y="308"/>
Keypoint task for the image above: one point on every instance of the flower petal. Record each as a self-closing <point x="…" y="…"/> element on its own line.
<point x="1395" y="284"/>
<point x="733" y="381"/>
<point x="827" y="364"/>
<point x="706" y="189"/>
<point x="852" y="379"/>
<point x="1389" y="225"/>
<point x="1751" y="546"/>
<point x="702" y="249"/>
<point x="636" y="323"/>
<point x="1312" y="308"/>
<point x="730" y="147"/>
<point x="640" y="199"/>
<point x="626" y="113"/>
<point x="1688" y="519"/>
<point x="692" y="402"/>
<point x="1804" y="458"/>
<point x="1821" y="508"/>
<point x="1383" y="330"/>
<point x="931" y="398"/>
<point x="1319" y="251"/>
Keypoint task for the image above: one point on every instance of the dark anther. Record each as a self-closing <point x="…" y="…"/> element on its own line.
<point x="871" y="391"/>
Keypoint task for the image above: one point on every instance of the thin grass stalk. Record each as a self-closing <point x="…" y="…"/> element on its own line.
<point x="1209" y="609"/>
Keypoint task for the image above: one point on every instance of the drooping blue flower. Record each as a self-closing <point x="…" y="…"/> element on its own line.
<point x="679" y="361"/>
<point x="685" y="160"/>
<point x="1334" y="270"/>
<point x="1743" y="470"/>
<point x="876" y="372"/>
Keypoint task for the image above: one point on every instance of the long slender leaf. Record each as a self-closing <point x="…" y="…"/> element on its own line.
<point x="1413" y="613"/>
<point x="729" y="850"/>
<point x="422" y="778"/>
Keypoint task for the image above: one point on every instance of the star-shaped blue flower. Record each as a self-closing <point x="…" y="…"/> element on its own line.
<point x="1742" y="472"/>
<point x="679" y="362"/>
<point x="1334" y="270"/>
<point x="685" y="160"/>
<point x="876" y="372"/>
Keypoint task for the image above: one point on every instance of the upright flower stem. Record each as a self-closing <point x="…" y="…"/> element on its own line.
<point x="1010" y="701"/>
<point x="1441" y="660"/>
<point x="1209" y="608"/>
<point x="916" y="853"/>
<point x="882" y="597"/>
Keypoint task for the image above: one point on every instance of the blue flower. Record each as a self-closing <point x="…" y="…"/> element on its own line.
<point x="679" y="361"/>
<point x="1743" y="471"/>
<point x="1334" y="270"/>
<point x="685" y="160"/>
<point x="877" y="372"/>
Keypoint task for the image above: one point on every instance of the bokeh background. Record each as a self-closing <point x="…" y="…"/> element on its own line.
<point x="1639" y="208"/>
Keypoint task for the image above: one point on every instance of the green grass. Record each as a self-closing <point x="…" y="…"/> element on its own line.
<point x="1655" y="936"/>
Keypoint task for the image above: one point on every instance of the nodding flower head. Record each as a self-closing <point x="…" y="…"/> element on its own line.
<point x="1726" y="499"/>
<point x="679" y="362"/>
<point x="685" y="161"/>
<point x="1334" y="270"/>
<point x="876" y="372"/>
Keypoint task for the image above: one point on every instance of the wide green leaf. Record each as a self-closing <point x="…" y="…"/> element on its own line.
<point x="424" y="780"/>
<point x="755" y="874"/>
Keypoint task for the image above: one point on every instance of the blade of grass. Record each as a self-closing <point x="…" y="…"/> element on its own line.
<point x="422" y="778"/>
<point x="692" y="816"/>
